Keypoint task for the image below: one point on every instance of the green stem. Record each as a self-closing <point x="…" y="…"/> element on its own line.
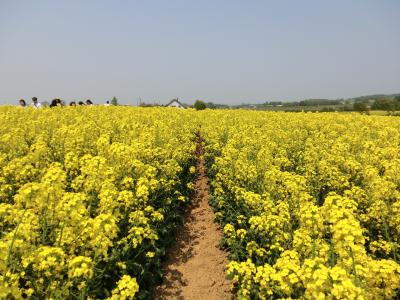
<point x="14" y="237"/>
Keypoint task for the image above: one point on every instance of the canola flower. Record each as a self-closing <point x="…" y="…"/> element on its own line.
<point x="88" y="199"/>
<point x="308" y="203"/>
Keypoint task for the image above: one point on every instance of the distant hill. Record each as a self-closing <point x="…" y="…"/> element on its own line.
<point x="322" y="101"/>
<point x="373" y="97"/>
<point x="387" y="102"/>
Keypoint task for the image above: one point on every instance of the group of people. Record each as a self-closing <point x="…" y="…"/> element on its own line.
<point x="56" y="102"/>
<point x="34" y="103"/>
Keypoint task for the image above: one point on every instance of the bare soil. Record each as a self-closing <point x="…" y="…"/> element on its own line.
<point x="195" y="266"/>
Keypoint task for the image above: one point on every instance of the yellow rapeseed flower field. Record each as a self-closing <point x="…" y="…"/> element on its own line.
<point x="309" y="203"/>
<point x="88" y="198"/>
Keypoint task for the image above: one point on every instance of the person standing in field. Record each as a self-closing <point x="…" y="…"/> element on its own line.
<point x="56" y="102"/>
<point x="22" y="103"/>
<point x="107" y="103"/>
<point x="35" y="103"/>
<point x="53" y="103"/>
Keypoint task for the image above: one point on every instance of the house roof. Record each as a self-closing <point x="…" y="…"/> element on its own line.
<point x="175" y="100"/>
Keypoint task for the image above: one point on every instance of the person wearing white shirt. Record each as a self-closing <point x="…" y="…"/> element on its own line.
<point x="35" y="103"/>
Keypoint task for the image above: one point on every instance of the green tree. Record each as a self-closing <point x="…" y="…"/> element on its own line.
<point x="397" y="102"/>
<point x="360" y="106"/>
<point x="199" y="105"/>
<point x="384" y="104"/>
<point x="211" y="105"/>
<point x="114" y="101"/>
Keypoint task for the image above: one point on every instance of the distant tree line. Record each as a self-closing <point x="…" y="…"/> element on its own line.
<point x="200" y="105"/>
<point x="386" y="104"/>
<point x="360" y="104"/>
<point x="383" y="103"/>
<point x="274" y="103"/>
<point x="314" y="102"/>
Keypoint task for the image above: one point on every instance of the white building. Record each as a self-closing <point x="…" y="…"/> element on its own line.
<point x="175" y="103"/>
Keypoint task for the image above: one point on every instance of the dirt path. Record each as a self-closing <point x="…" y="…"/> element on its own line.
<point x="195" y="265"/>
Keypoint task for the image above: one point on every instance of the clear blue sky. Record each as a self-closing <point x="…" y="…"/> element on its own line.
<point x="221" y="51"/>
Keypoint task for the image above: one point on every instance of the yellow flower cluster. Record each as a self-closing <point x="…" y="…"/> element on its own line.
<point x="309" y="203"/>
<point x="126" y="288"/>
<point x="88" y="198"/>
